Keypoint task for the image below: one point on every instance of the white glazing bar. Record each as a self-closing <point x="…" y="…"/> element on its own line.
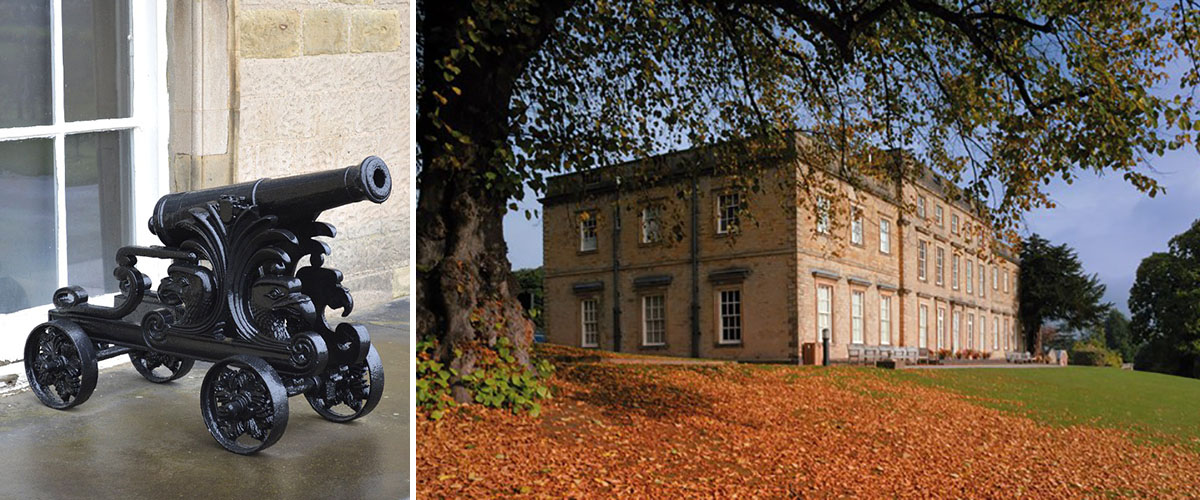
<point x="15" y="134"/>
<point x="60" y="165"/>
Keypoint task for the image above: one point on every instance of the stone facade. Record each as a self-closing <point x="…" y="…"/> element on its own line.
<point x="269" y="88"/>
<point x="755" y="273"/>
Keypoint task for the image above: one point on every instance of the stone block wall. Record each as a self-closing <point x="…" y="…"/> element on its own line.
<point x="280" y="88"/>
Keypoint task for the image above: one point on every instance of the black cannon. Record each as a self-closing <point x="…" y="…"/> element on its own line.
<point x="234" y="295"/>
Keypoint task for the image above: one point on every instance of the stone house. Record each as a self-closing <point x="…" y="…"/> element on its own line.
<point x="676" y="255"/>
<point x="106" y="106"/>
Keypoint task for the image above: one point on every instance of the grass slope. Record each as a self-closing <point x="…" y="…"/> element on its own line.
<point x="1161" y="408"/>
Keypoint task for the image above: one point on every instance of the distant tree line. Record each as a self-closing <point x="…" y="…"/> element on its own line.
<point x="1163" y="334"/>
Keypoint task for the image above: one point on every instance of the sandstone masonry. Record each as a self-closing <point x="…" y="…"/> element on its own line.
<point x="681" y="256"/>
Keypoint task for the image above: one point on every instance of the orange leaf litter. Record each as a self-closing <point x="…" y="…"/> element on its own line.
<point x="643" y="431"/>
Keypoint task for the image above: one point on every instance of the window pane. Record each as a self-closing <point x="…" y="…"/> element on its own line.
<point x="28" y="276"/>
<point x="97" y="207"/>
<point x="25" y="52"/>
<point x="95" y="59"/>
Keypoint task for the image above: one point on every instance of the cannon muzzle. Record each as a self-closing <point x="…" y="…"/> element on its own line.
<point x="294" y="198"/>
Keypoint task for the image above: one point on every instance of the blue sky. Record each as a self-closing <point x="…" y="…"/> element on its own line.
<point x="1110" y="224"/>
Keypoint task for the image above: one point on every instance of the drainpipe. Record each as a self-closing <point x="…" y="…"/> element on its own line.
<point x="695" y="308"/>
<point x="616" y="269"/>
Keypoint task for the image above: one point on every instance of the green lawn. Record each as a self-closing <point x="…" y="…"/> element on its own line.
<point x="1150" y="405"/>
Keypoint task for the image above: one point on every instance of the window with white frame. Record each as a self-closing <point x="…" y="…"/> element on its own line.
<point x="856" y="227"/>
<point x="79" y="158"/>
<point x="939" y="264"/>
<point x="921" y="207"/>
<point x="982" y="280"/>
<point x="941" y="220"/>
<point x="941" y="327"/>
<point x="727" y="212"/>
<point x="923" y="326"/>
<point x="885" y="320"/>
<point x="982" y="332"/>
<point x="954" y="273"/>
<point x="823" y="215"/>
<point x="587" y="231"/>
<point x="955" y="334"/>
<point x="589" y="326"/>
<point x="654" y="321"/>
<point x="970" y="276"/>
<point x="824" y="312"/>
<point x="995" y="277"/>
<point x="954" y="223"/>
<point x="730" y="305"/>
<point x="1006" y="282"/>
<point x="885" y="236"/>
<point x="651" y="223"/>
<point x="856" y="317"/>
<point x="922" y="259"/>
<point x="970" y="331"/>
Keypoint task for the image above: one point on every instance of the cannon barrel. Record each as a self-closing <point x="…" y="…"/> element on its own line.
<point x="293" y="198"/>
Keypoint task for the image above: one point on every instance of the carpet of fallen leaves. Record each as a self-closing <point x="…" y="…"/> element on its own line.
<point x="736" y="431"/>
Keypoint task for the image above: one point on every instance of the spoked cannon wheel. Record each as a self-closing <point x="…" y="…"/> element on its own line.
<point x="158" y="367"/>
<point x="244" y="404"/>
<point x="60" y="362"/>
<point x="348" y="392"/>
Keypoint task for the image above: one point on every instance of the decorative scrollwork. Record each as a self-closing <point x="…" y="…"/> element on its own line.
<point x="70" y="296"/>
<point x="155" y="324"/>
<point x="308" y="352"/>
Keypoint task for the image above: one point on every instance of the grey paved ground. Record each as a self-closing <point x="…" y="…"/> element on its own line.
<point x="134" y="439"/>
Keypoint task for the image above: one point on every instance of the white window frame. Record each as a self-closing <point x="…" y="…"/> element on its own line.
<point x="995" y="278"/>
<point x="922" y="260"/>
<point x="652" y="213"/>
<point x="954" y="223"/>
<point x="982" y="330"/>
<point x="941" y="327"/>
<point x="970" y="330"/>
<point x="939" y="263"/>
<point x="822" y="208"/>
<point x="661" y="318"/>
<point x="885" y="236"/>
<point x="147" y="125"/>
<point x="921" y="207"/>
<point x="587" y="224"/>
<point x="885" y="320"/>
<point x="1006" y="276"/>
<point x="723" y="338"/>
<point x="941" y="217"/>
<point x="996" y="333"/>
<point x="824" y="311"/>
<point x="982" y="280"/>
<point x="956" y="330"/>
<point x="923" y="326"/>
<point x="856" y="227"/>
<point x="954" y="272"/>
<point x="856" y="316"/>
<point x="584" y="322"/>
<point x="970" y="276"/>
<point x="728" y="205"/>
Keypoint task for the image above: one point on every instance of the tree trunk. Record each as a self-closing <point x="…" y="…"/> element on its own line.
<point x="466" y="295"/>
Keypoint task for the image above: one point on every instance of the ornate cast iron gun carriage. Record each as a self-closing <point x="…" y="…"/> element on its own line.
<point x="235" y="295"/>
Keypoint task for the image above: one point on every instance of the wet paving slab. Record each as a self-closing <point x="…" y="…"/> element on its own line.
<point x="134" y="439"/>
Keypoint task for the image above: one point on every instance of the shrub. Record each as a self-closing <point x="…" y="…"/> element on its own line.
<point x="1091" y="353"/>
<point x="498" y="380"/>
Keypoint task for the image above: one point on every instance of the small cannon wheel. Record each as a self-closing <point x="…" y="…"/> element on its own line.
<point x="158" y="367"/>
<point x="348" y="392"/>
<point x="59" y="355"/>
<point x="244" y="404"/>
